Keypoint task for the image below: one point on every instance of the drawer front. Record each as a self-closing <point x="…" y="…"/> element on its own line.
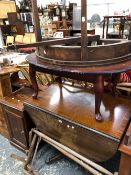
<point x="15" y="124"/>
<point x="87" y="142"/>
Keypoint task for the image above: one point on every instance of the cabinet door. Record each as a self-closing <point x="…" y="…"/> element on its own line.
<point x="16" y="129"/>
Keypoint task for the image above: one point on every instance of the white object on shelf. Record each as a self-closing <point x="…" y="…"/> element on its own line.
<point x="1" y="40"/>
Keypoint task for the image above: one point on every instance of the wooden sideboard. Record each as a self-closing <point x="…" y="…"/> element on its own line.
<point x="67" y="116"/>
<point x="15" y="117"/>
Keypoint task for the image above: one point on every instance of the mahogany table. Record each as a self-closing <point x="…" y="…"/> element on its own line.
<point x="94" y="74"/>
<point x="68" y="118"/>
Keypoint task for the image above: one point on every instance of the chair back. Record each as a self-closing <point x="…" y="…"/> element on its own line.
<point x="19" y="39"/>
<point x="9" y="40"/>
<point x="26" y="39"/>
<point x="32" y="38"/>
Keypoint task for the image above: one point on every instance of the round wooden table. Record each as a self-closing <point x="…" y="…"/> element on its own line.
<point x="94" y="74"/>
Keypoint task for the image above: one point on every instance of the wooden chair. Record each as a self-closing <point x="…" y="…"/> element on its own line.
<point x="126" y="87"/>
<point x="33" y="38"/>
<point x="19" y="39"/>
<point x="28" y="38"/>
<point x="42" y="78"/>
<point x="9" y="41"/>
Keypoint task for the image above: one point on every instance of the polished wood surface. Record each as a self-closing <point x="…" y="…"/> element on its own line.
<point x="78" y="105"/>
<point x="67" y="115"/>
<point x="109" y="69"/>
<point x="16" y="99"/>
<point x="95" y="75"/>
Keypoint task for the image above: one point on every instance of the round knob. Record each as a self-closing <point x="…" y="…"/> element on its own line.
<point x="60" y="121"/>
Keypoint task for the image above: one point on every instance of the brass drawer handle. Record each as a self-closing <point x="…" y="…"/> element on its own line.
<point x="68" y="126"/>
<point x="60" y="121"/>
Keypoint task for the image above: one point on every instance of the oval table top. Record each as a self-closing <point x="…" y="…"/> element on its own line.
<point x="106" y="69"/>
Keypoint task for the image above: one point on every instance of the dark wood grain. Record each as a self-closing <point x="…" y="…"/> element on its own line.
<point x="68" y="116"/>
<point x="84" y="53"/>
<point x="56" y="69"/>
<point x="113" y="109"/>
<point x="80" y="73"/>
<point x="106" y="54"/>
<point x="55" y="41"/>
<point x="15" y="118"/>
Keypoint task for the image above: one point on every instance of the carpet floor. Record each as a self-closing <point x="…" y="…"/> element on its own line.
<point x="64" y="166"/>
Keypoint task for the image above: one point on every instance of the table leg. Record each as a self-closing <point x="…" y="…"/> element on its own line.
<point x="32" y="73"/>
<point x="115" y="79"/>
<point x="98" y="86"/>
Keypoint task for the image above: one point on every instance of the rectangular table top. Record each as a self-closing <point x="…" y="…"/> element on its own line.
<point x="16" y="99"/>
<point x="8" y="70"/>
<point x="78" y="105"/>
